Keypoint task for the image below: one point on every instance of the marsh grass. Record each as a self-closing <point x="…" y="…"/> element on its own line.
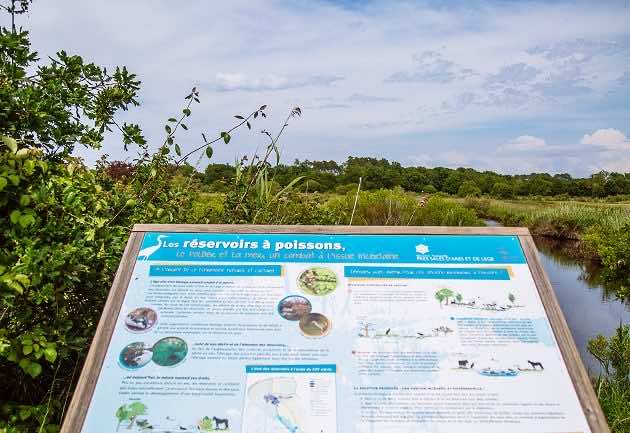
<point x="398" y="208"/>
<point x="603" y="230"/>
<point x="551" y="218"/>
<point x="613" y="385"/>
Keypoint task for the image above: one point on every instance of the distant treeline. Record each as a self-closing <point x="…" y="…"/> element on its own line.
<point x="330" y="176"/>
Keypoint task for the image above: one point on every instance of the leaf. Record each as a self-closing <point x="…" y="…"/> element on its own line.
<point x="3" y="183"/>
<point x="25" y="281"/>
<point x="34" y="369"/>
<point x="26" y="220"/>
<point x="22" y="153"/>
<point x="27" y="349"/>
<point x="168" y="129"/>
<point x="184" y="126"/>
<point x="15" y="216"/>
<point x="172" y="119"/>
<point x="186" y="112"/>
<point x="226" y="137"/>
<point x="288" y="187"/>
<point x="249" y="126"/>
<point x="130" y="203"/>
<point x="255" y="114"/>
<point x="24" y="363"/>
<point x="25" y="413"/>
<point x="50" y="354"/>
<point x="10" y="143"/>
<point x="24" y="199"/>
<point x="238" y="116"/>
<point x="205" y="140"/>
<point x="209" y="151"/>
<point x="178" y="151"/>
<point x="262" y="107"/>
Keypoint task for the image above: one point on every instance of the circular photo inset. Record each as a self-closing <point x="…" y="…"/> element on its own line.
<point x="315" y="325"/>
<point x="169" y="351"/>
<point x="294" y="307"/>
<point x="318" y="281"/>
<point x="135" y="355"/>
<point x="141" y="319"/>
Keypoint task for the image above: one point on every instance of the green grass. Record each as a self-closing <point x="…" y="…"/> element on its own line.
<point x="603" y="230"/>
<point x="398" y="208"/>
<point x="552" y="218"/>
<point x="613" y="385"/>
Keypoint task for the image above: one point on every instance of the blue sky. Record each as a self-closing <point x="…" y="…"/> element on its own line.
<point x="510" y="86"/>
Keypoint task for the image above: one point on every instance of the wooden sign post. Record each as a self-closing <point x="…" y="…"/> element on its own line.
<point x="312" y="329"/>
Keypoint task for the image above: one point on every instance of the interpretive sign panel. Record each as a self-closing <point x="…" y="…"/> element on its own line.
<point x="259" y="329"/>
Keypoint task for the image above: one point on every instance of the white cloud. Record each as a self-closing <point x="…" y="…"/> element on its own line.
<point x="474" y="77"/>
<point x="523" y="143"/>
<point x="609" y="138"/>
<point x="238" y="81"/>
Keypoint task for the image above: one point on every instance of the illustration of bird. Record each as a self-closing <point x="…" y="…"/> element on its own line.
<point x="145" y="253"/>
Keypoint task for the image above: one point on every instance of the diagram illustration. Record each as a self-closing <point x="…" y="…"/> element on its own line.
<point x="366" y="329"/>
<point x="277" y="399"/>
<point x="495" y="367"/>
<point x="135" y="417"/>
<point x="453" y="299"/>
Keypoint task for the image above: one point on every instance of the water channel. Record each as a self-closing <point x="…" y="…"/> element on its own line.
<point x="589" y="304"/>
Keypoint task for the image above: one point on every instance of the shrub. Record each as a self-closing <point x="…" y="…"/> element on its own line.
<point x="612" y="245"/>
<point x="502" y="190"/>
<point x="613" y="385"/>
<point x="468" y="189"/>
<point x="59" y="249"/>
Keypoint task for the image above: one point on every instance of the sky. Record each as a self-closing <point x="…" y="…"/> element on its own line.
<point x="514" y="87"/>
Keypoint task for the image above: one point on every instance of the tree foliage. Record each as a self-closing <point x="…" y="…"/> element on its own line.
<point x="330" y="176"/>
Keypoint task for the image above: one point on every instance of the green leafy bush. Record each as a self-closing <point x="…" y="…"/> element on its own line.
<point x="612" y="246"/>
<point x="613" y="385"/>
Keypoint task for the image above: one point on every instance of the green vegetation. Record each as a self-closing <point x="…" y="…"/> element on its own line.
<point x="130" y="413"/>
<point x="63" y="225"/>
<point x="330" y="176"/>
<point x="395" y="207"/>
<point x="318" y="281"/>
<point x="613" y="385"/>
<point x="603" y="230"/>
<point x="443" y="295"/>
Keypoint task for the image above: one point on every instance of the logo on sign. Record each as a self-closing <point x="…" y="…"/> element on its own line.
<point x="422" y="249"/>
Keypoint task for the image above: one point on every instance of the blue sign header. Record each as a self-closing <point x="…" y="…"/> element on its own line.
<point x="319" y="368"/>
<point x="320" y="248"/>
<point x="426" y="273"/>
<point x="215" y="270"/>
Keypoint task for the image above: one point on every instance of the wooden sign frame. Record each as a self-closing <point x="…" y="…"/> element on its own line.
<point x="77" y="410"/>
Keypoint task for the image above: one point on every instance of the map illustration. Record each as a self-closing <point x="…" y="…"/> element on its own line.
<point x="278" y="400"/>
<point x="290" y="399"/>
